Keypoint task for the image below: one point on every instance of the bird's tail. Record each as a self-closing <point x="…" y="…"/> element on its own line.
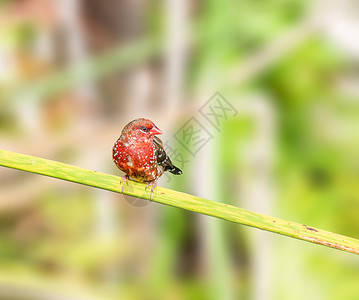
<point x="175" y="170"/>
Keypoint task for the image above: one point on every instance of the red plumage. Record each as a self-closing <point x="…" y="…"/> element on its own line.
<point x="140" y="154"/>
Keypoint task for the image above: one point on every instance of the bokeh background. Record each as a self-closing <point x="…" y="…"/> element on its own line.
<point x="73" y="73"/>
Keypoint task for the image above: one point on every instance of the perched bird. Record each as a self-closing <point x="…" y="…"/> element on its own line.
<point x="139" y="153"/>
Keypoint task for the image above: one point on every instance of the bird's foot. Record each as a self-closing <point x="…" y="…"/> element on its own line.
<point x="123" y="180"/>
<point x="154" y="184"/>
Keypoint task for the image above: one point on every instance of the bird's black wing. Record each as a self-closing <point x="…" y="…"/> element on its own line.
<point x="162" y="158"/>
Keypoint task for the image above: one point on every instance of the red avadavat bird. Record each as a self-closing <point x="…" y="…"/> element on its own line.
<point x="139" y="153"/>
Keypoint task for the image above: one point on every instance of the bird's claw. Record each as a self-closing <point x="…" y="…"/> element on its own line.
<point x="123" y="180"/>
<point x="154" y="184"/>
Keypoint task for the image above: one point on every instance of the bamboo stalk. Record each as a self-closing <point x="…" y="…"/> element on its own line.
<point x="177" y="199"/>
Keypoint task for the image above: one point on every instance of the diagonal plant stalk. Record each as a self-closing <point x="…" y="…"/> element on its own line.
<point x="177" y="199"/>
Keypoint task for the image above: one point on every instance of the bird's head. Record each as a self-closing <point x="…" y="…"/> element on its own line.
<point x="140" y="131"/>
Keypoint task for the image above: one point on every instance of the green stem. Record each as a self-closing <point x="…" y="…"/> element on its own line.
<point x="178" y="199"/>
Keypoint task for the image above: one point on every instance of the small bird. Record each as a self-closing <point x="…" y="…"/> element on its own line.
<point x="140" y="154"/>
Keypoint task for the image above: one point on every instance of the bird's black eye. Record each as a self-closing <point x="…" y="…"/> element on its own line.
<point x="144" y="129"/>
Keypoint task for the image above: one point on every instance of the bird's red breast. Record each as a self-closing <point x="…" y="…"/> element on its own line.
<point x="135" y="152"/>
<point x="138" y="161"/>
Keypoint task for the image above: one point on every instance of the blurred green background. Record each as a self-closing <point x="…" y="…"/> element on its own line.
<point x="73" y="73"/>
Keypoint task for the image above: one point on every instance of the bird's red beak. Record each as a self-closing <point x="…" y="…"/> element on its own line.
<point x="155" y="131"/>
